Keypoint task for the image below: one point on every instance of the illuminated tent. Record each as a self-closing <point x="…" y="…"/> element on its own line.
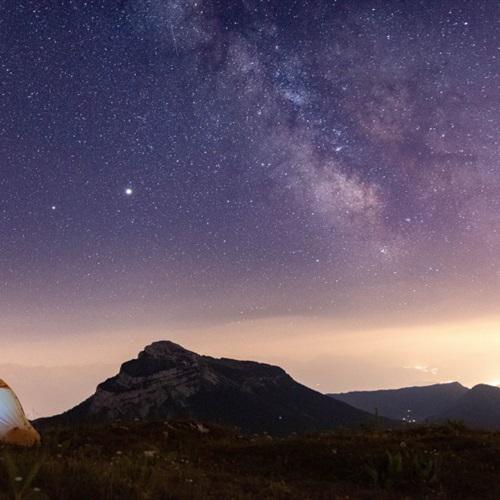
<point x="14" y="426"/>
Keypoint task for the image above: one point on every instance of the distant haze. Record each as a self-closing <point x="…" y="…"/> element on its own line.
<point x="51" y="377"/>
<point x="311" y="183"/>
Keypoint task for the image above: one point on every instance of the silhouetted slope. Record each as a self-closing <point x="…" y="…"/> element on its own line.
<point x="168" y="381"/>
<point x="410" y="403"/>
<point x="478" y="407"/>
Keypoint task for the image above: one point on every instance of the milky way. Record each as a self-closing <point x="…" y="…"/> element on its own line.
<point x="207" y="160"/>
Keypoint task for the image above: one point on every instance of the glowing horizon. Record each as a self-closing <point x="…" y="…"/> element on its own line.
<point x="314" y="351"/>
<point x="314" y="185"/>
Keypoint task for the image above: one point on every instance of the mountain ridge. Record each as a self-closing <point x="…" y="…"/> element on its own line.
<point x="478" y="406"/>
<point x="168" y="381"/>
<point x="415" y="403"/>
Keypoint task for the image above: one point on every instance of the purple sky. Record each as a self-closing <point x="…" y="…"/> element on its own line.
<point x="197" y="169"/>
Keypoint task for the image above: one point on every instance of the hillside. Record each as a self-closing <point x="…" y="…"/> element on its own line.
<point x="168" y="381"/>
<point x="478" y="407"/>
<point x="408" y="403"/>
<point x="179" y="460"/>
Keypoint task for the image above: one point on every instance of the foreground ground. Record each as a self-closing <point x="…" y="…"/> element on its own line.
<point x="170" y="460"/>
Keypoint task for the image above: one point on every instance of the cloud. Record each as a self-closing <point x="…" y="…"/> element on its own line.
<point x="423" y="369"/>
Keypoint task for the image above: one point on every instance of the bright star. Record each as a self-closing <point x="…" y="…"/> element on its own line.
<point x="129" y="191"/>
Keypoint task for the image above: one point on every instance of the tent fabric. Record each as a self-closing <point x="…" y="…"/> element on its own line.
<point x="15" y="428"/>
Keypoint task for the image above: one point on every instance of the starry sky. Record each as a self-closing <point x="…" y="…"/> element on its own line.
<point x="286" y="181"/>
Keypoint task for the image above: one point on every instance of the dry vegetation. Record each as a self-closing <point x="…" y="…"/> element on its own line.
<point x="185" y="460"/>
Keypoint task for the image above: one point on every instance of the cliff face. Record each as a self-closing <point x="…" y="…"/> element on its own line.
<point x="168" y="381"/>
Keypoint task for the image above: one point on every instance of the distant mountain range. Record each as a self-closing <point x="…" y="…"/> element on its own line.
<point x="168" y="381"/>
<point x="409" y="403"/>
<point x="476" y="407"/>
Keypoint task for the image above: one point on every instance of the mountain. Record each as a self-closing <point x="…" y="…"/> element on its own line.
<point x="409" y="403"/>
<point x="168" y="381"/>
<point x="478" y="407"/>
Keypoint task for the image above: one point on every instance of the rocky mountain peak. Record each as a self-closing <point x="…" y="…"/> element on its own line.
<point x="159" y="357"/>
<point x="168" y="381"/>
<point x="164" y="348"/>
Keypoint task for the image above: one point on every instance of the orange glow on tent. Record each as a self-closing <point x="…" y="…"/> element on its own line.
<point x="15" y="428"/>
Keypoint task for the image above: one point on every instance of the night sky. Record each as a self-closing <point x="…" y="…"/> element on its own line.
<point x="171" y="165"/>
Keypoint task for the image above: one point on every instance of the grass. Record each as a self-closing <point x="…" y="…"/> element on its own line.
<point x="168" y="460"/>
